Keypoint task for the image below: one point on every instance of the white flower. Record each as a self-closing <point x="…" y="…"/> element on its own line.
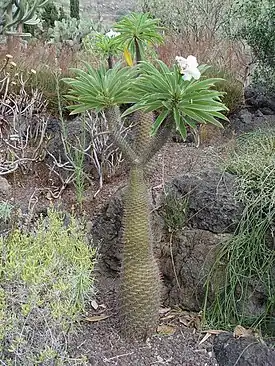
<point x="188" y="67"/>
<point x="112" y="34"/>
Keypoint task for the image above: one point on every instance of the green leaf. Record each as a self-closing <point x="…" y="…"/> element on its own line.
<point x="179" y="123"/>
<point x="159" y="121"/>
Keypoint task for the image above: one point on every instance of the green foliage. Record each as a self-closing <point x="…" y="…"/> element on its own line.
<point x="62" y="14"/>
<point x="162" y="89"/>
<point x="157" y="88"/>
<point x="101" y="45"/>
<point x="15" y="12"/>
<point x="174" y="211"/>
<point x="247" y="260"/>
<point x="74" y="9"/>
<point x="137" y="31"/>
<point x="49" y="14"/>
<point x="46" y="278"/>
<point x="5" y="211"/>
<point x="100" y="89"/>
<point x="264" y="76"/>
<point x="255" y="24"/>
<point x="199" y="18"/>
<point x="257" y="27"/>
<point x="64" y="30"/>
<point x="70" y="29"/>
<point x="230" y="86"/>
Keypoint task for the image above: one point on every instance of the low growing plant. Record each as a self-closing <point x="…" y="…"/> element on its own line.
<point x="5" y="211"/>
<point x="245" y="263"/>
<point x="46" y="279"/>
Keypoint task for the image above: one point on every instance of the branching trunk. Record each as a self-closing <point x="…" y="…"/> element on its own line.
<point x="140" y="280"/>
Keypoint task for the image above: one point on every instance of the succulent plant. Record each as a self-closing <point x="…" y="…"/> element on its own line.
<point x="70" y="29"/>
<point x="16" y="12"/>
<point x="74" y="9"/>
<point x="178" y="102"/>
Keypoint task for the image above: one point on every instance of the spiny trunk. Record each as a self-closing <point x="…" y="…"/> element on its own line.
<point x="140" y="280"/>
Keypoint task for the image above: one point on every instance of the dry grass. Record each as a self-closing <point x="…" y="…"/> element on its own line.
<point x="39" y="54"/>
<point x="51" y="64"/>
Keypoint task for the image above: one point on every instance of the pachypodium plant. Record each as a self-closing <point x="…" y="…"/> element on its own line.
<point x="106" y="45"/>
<point x="179" y="101"/>
<point x="137" y="32"/>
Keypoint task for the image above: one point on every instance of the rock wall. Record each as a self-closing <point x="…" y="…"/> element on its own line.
<point x="185" y="255"/>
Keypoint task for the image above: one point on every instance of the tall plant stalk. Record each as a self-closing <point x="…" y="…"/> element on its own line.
<point x="140" y="279"/>
<point x="74" y="9"/>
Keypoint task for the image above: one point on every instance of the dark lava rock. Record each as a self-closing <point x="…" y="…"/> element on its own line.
<point x="242" y="351"/>
<point x="258" y="98"/>
<point x="211" y="202"/>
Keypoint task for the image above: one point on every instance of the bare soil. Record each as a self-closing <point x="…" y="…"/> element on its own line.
<point x="101" y="342"/>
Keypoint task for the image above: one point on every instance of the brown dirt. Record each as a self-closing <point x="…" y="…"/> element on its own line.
<point x="103" y="345"/>
<point x="100" y="341"/>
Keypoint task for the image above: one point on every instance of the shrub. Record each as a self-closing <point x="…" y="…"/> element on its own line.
<point x="228" y="55"/>
<point x="50" y="64"/>
<point x="5" y="211"/>
<point x="174" y="211"/>
<point x="45" y="278"/>
<point x="188" y="16"/>
<point x="233" y="88"/>
<point x="256" y="25"/>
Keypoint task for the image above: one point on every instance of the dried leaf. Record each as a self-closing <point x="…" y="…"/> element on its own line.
<point x="96" y="318"/>
<point x="185" y="321"/>
<point x="164" y="310"/>
<point x="207" y="335"/>
<point x="166" y="329"/>
<point x="128" y="57"/>
<point x="168" y="317"/>
<point x="197" y="322"/>
<point x="240" y="331"/>
<point x="213" y="331"/>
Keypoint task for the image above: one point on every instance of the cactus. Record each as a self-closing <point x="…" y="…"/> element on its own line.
<point x="74" y="9"/>
<point x="70" y="29"/>
<point x="16" y="12"/>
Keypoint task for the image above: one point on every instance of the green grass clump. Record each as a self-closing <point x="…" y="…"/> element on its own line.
<point x="174" y="211"/>
<point x="5" y="211"/>
<point x="247" y="260"/>
<point x="45" y="281"/>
